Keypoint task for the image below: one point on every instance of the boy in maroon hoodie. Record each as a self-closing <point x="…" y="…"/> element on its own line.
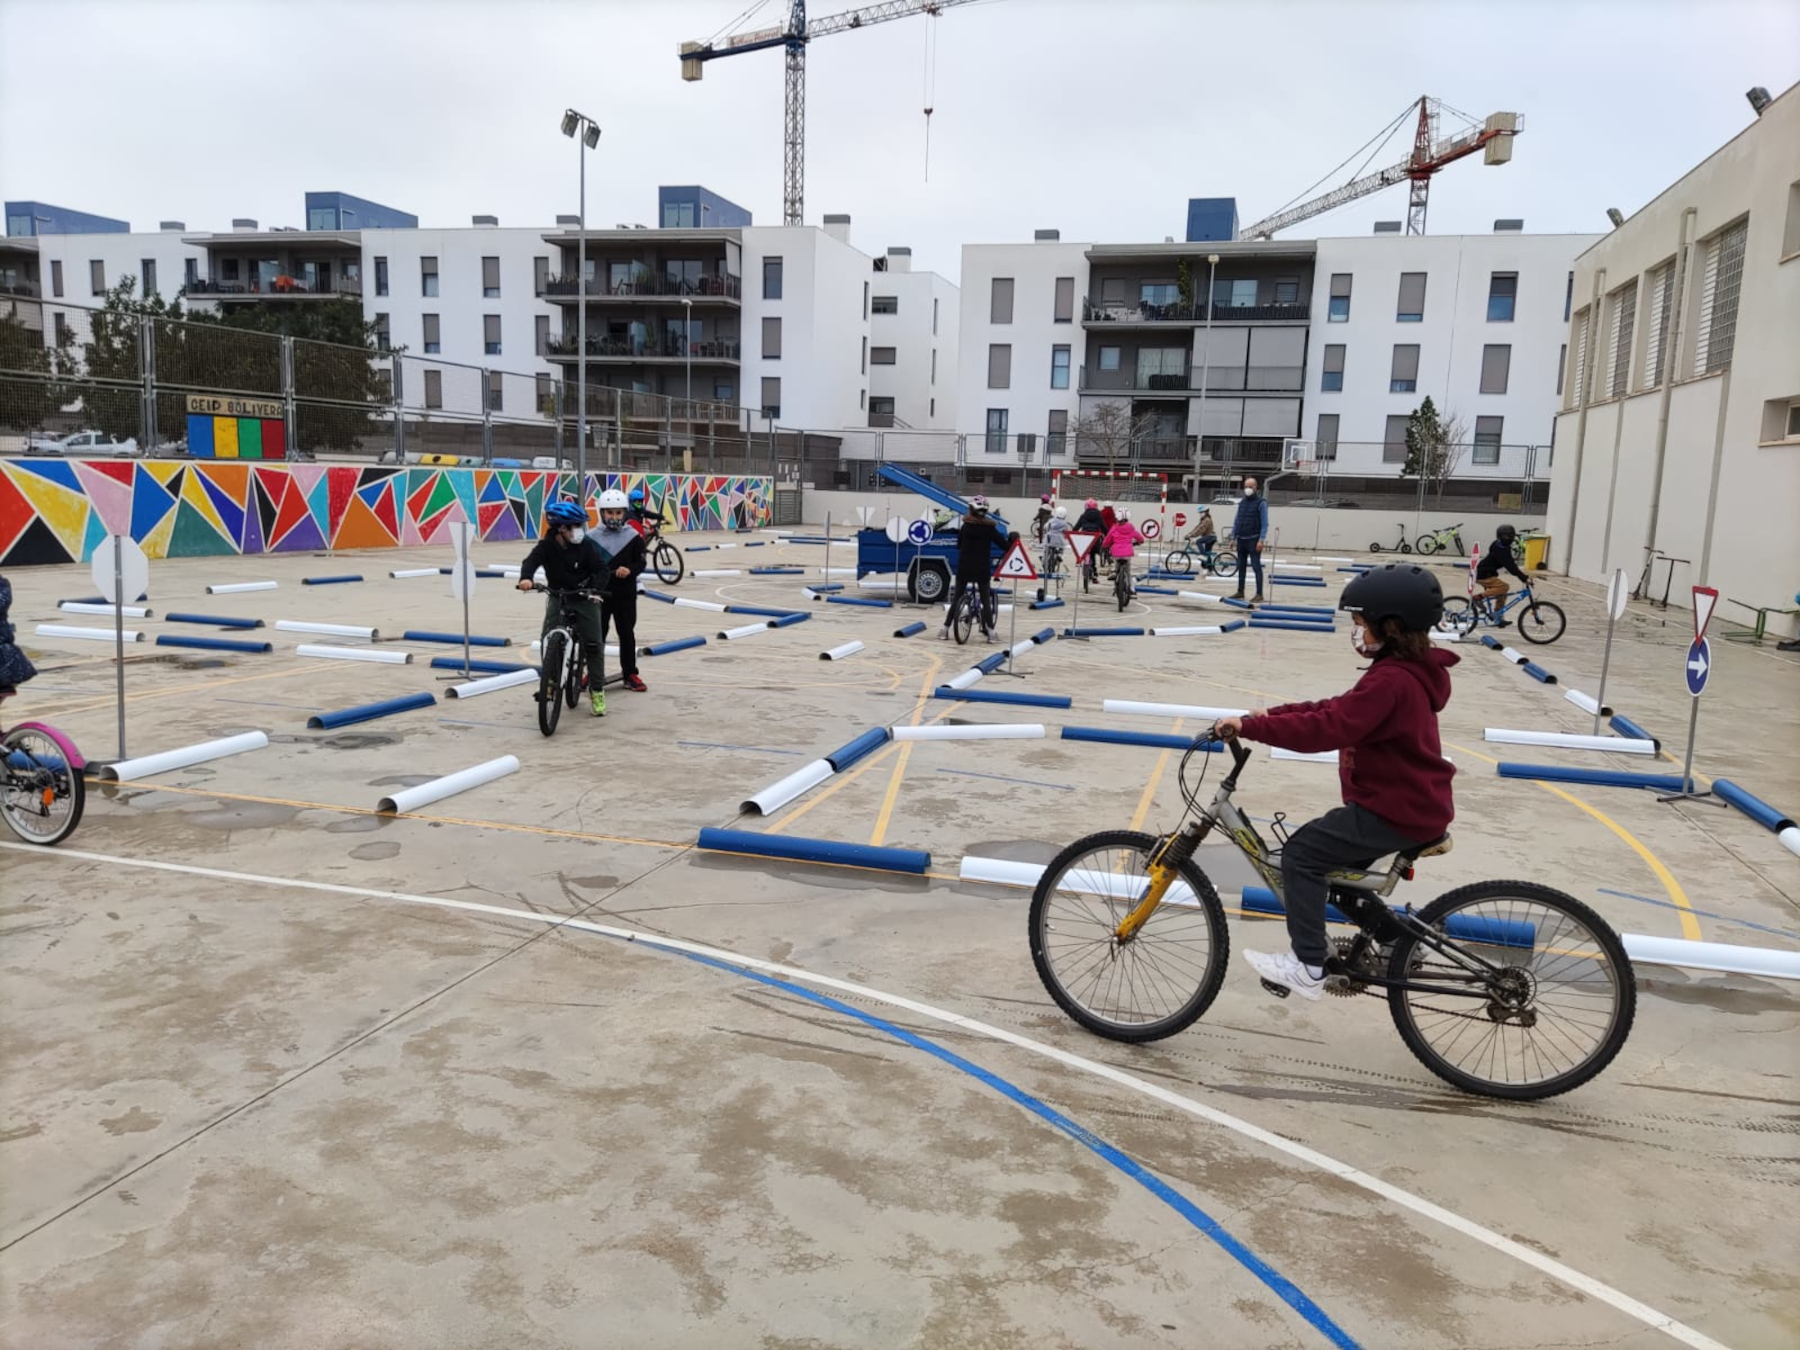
<point x="1395" y="780"/>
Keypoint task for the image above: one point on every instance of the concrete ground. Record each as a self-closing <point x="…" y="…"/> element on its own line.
<point x="260" y="1090"/>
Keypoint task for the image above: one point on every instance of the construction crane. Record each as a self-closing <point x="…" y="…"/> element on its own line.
<point x="794" y="36"/>
<point x="1429" y="154"/>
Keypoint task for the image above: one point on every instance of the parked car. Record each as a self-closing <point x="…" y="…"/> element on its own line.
<point x="550" y="462"/>
<point x="85" y="444"/>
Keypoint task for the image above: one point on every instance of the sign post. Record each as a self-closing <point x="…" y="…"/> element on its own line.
<point x="827" y="580"/>
<point x="1697" y="669"/>
<point x="1015" y="566"/>
<point x="121" y="573"/>
<point x="1080" y="546"/>
<point x="1617" y="590"/>
<point x="462" y="582"/>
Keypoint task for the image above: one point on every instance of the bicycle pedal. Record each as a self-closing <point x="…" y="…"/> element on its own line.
<point x="1279" y="990"/>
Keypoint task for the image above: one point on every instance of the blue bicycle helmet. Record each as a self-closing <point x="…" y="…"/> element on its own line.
<point x="565" y="513"/>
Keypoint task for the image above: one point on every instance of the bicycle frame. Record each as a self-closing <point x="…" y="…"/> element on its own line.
<point x="1489" y="615"/>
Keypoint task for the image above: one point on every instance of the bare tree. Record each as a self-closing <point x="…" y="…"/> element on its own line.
<point x="1109" y="431"/>
<point x="1435" y="446"/>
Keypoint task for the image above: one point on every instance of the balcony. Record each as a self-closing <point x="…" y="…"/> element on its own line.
<point x="1142" y="312"/>
<point x="717" y="351"/>
<point x="19" y="286"/>
<point x="279" y="287"/>
<point x="1186" y="384"/>
<point x="721" y="287"/>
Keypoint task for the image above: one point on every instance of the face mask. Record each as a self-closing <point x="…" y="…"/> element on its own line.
<point x="577" y="534"/>
<point x="613" y="522"/>
<point x="1249" y="492"/>
<point x="1365" y="642"/>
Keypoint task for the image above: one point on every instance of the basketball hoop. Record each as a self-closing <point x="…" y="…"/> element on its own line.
<point x="1296" y="453"/>
<point x="1309" y="467"/>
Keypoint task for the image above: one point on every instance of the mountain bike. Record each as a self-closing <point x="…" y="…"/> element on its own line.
<point x="1448" y="540"/>
<point x="1219" y="561"/>
<point x="1122" y="582"/>
<point x="1540" y="621"/>
<point x="1401" y="547"/>
<point x="963" y="616"/>
<point x="662" y="557"/>
<point x="42" y="792"/>
<point x="1502" y="988"/>
<point x="562" y="668"/>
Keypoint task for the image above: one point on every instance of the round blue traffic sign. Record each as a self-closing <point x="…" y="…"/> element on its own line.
<point x="1699" y="662"/>
<point x="919" y="532"/>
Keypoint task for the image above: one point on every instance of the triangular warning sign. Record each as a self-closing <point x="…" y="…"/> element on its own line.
<point x="1015" y="564"/>
<point x="1705" y="597"/>
<point x="1081" y="545"/>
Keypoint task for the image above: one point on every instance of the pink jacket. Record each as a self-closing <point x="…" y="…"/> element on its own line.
<point x="1121" y="537"/>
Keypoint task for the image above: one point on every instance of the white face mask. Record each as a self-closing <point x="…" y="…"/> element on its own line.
<point x="577" y="534"/>
<point x="1249" y="491"/>
<point x="1365" y="642"/>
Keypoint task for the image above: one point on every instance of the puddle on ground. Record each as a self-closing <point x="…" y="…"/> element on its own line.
<point x="375" y="852"/>
<point x="593" y="883"/>
<point x="358" y="740"/>
<point x="242" y="816"/>
<point x="1014" y="850"/>
<point x="357" y="824"/>
<point x="1739" y="995"/>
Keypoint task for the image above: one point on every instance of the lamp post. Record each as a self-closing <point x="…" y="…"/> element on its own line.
<point x="1212" y="267"/>
<point x="687" y="347"/>
<point x="587" y="131"/>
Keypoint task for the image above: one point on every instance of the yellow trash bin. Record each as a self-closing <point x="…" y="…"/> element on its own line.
<point x="1537" y="548"/>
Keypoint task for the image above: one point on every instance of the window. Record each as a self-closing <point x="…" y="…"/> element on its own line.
<point x="865" y="299"/>
<point x="1793" y="419"/>
<point x="1656" y="338"/>
<point x="1496" y="367"/>
<point x="1578" y="372"/>
<point x="490" y="278"/>
<point x="190" y="273"/>
<point x="540" y="275"/>
<point x="490" y="334"/>
<point x="1331" y="381"/>
<point x="1790" y="232"/>
<point x="1000" y="300"/>
<point x="771" y="393"/>
<point x="771" y="338"/>
<point x="1057" y="441"/>
<point x="61" y="328"/>
<point x="383" y="339"/>
<point x="542" y="335"/>
<point x="1411" y="306"/>
<point x="1503" y="291"/>
<point x="434" y="389"/>
<point x="381" y="276"/>
<point x="1568" y="296"/>
<point x="881" y="406"/>
<point x="431" y="335"/>
<point x="865" y="356"/>
<point x="428" y="277"/>
<point x="1239" y="294"/>
<point x="724" y="390"/>
<point x="1339" y="304"/>
<point x="1562" y="361"/>
<point x="1325" y="438"/>
<point x="771" y="278"/>
<point x="1065" y="300"/>
<point x="678" y="215"/>
<point x="1287" y="292"/>
<point x="1487" y="440"/>
<point x="996" y="431"/>
<point x="1624" y="319"/>
<point x="1162" y="367"/>
<point x="1403" y="376"/>
<point x="1720" y="279"/>
<point x="231" y="269"/>
<point x="1393" y="442"/>
<point x="97" y="277"/>
<point x="934" y="407"/>
<point x="885" y="304"/>
<point x="1112" y="291"/>
<point x="999" y="366"/>
<point x="1157" y="293"/>
<point x="934" y="365"/>
<point x="934" y="314"/>
<point x="546" y="395"/>
<point x="1059" y="367"/>
<point x="496" y="397"/>
<point x="883" y="356"/>
<point x="56" y="277"/>
<point x="1109" y="358"/>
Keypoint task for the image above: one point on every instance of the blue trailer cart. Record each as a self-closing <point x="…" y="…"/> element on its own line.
<point x="928" y="568"/>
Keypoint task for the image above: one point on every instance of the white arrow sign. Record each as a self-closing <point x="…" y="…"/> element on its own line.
<point x="1698" y="666"/>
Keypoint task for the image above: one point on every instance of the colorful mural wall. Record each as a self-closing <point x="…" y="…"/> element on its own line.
<point x="58" y="511"/>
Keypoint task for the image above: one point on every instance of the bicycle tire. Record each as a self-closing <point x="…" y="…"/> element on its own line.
<point x="45" y="761"/>
<point x="1408" y="955"/>
<point x="962" y="623"/>
<point x="549" y="699"/>
<point x="1459" y="617"/>
<point x="572" y="682"/>
<point x="668" y="563"/>
<point x="1428" y="544"/>
<point x="1121" y="587"/>
<point x="1046" y="955"/>
<point x="1179" y="561"/>
<point x="1542" y="622"/>
<point x="1225" y="564"/>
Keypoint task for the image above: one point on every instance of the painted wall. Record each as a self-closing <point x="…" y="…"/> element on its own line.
<point x="58" y="511"/>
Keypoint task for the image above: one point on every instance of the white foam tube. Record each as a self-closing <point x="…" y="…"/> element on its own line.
<point x="1203" y="597"/>
<point x="1517" y="658"/>
<point x="509" y="680"/>
<point x="717" y="547"/>
<point x="1184" y="632"/>
<point x="1000" y="872"/>
<point x="129" y="611"/>
<point x="847" y="649"/>
<point x="837" y="571"/>
<point x="390" y="658"/>
<point x="748" y="630"/>
<point x="63" y="630"/>
<point x="779" y="794"/>
<point x="964" y="680"/>
<point x="234" y="587"/>
<point x="143" y="767"/>
<point x="1320" y="557"/>
<point x="1019" y="649"/>
<point x="1295" y="567"/>
<point x="1621" y="745"/>
<point x="1733" y="960"/>
<point x="1120" y="705"/>
<point x="328" y="629"/>
<point x="882" y="581"/>
<point x="981" y="731"/>
<point x="1085" y="880"/>
<point x="1322" y="757"/>
<point x="414" y="572"/>
<point x="685" y="603"/>
<point x="536" y="649"/>
<point x="1585" y="702"/>
<point x="1437" y="636"/>
<point x="1790" y="839"/>
<point x="412" y="798"/>
<point x="719" y="572"/>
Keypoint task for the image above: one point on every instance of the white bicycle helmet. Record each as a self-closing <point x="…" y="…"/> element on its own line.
<point x="1123" y="513"/>
<point x="1062" y="513"/>
<point x="613" y="500"/>
<point x="978" y="503"/>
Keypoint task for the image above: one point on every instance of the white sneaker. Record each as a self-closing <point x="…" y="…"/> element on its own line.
<point x="1287" y="970"/>
<point x="944" y="633"/>
<point x="988" y="633"/>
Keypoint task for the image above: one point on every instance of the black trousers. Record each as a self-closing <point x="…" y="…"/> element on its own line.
<point x="1350" y="836"/>
<point x="620" y="608"/>
<point x="1248" y="557"/>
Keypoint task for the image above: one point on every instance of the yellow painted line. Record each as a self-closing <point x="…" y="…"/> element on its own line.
<point x="842" y="781"/>
<point x="1143" y="807"/>
<point x="1690" y="924"/>
<point x="886" y="814"/>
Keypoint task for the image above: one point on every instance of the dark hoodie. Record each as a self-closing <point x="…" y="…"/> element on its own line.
<point x="1386" y="734"/>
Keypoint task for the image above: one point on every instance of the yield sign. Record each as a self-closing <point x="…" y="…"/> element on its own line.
<point x="1705" y="597"/>
<point x="1699" y="662"/>
<point x="1015" y="564"/>
<point x="1082" y="544"/>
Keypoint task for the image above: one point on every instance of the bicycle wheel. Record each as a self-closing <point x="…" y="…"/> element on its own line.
<point x="1225" y="564"/>
<point x="1542" y="622"/>
<point x="1428" y="544"/>
<point x="549" y="699"/>
<point x="572" y="682"/>
<point x="962" y="623"/>
<point x="1156" y="984"/>
<point x="1459" y="617"/>
<point x="1179" y="561"/>
<point x="668" y="564"/>
<point x="1122" y="587"/>
<point x="41" y="797"/>
<point x="1558" y="1006"/>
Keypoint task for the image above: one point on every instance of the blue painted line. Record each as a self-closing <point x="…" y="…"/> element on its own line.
<point x="1002" y="778"/>
<point x="1283" y="1288"/>
<point x="720" y="745"/>
<point x="1701" y="913"/>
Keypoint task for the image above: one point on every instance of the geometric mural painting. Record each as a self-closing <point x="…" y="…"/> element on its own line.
<point x="58" y="511"/>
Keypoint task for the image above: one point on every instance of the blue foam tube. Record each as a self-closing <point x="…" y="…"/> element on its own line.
<point x="762" y="611"/>
<point x="331" y="581"/>
<point x="1357" y="570"/>
<point x="1559" y="773"/>
<point x="101" y="600"/>
<point x="418" y="635"/>
<point x="212" y="644"/>
<point x="368" y="712"/>
<point x="20" y="759"/>
<point x="789" y="620"/>
<point x="1480" y="928"/>
<point x="678" y="645"/>
<point x="1045" y="604"/>
<point x="989" y="664"/>
<point x="215" y="620"/>
<point x="777" y="571"/>
<point x="1539" y="674"/>
<point x="658" y="595"/>
<point x="860" y="748"/>
<point x="1754" y="807"/>
<point x="1001" y="696"/>
<point x="1103" y="632"/>
<point x="910" y="860"/>
<point x="1626" y="727"/>
<point x="755" y="543"/>
<point x="489" y="572"/>
<point x="1235" y="602"/>
<point x="1294" y="627"/>
<point x="1156" y="740"/>
<point x="1489" y="640"/>
<point x="858" y="600"/>
<point x="826" y="589"/>
<point x="1044" y="635"/>
<point x="1291" y="616"/>
<point x="1326" y="610"/>
<point x="485" y="667"/>
<point x="1299" y="581"/>
<point x="1231" y="626"/>
<point x="909" y="630"/>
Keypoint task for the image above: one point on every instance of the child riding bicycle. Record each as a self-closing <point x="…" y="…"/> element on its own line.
<point x="975" y="545"/>
<point x="573" y="562"/>
<point x="1391" y="768"/>
<point x="1498" y="558"/>
<point x="1122" y="539"/>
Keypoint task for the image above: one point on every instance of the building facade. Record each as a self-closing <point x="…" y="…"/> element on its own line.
<point x="1679" y="432"/>
<point x="913" y="320"/>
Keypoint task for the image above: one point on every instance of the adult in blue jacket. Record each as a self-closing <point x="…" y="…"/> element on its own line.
<point x="1249" y="531"/>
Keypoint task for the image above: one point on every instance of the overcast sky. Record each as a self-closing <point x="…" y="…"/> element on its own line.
<point x="1097" y="117"/>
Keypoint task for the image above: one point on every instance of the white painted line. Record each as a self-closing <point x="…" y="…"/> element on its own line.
<point x="1324" y="1162"/>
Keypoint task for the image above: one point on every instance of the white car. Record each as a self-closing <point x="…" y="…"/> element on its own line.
<point x="85" y="445"/>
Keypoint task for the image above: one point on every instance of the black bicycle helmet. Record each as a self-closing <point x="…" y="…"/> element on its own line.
<point x="1506" y="534"/>
<point x="1402" y="591"/>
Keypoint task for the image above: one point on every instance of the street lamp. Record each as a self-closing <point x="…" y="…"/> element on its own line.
<point x="1212" y="266"/>
<point x="589" y="130"/>
<point x="687" y="346"/>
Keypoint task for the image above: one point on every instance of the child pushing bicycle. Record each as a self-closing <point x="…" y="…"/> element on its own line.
<point x="1395" y="780"/>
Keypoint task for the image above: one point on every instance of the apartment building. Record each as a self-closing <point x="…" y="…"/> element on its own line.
<point x="913" y="318"/>
<point x="1679" y="430"/>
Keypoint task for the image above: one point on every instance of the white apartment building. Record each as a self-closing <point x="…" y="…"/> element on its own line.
<point x="81" y="268"/>
<point x="1680" y="421"/>
<point x="913" y="318"/>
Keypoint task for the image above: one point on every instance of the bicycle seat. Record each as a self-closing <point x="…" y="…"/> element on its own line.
<point x="1437" y="847"/>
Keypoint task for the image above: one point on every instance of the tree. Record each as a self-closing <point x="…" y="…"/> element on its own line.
<point x="33" y="375"/>
<point x="1109" y="431"/>
<point x="1435" y="445"/>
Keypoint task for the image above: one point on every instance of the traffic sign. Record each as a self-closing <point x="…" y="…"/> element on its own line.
<point x="1618" y="590"/>
<point x="1474" y="562"/>
<point x="919" y="532"/>
<point x="1699" y="662"/>
<point x="462" y="579"/>
<point x="1180" y="519"/>
<point x="1081" y="544"/>
<point x="1705" y="597"/>
<point x="462" y="535"/>
<point x="131" y="566"/>
<point x="896" y="529"/>
<point x="1015" y="564"/>
<point x="1151" y="529"/>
